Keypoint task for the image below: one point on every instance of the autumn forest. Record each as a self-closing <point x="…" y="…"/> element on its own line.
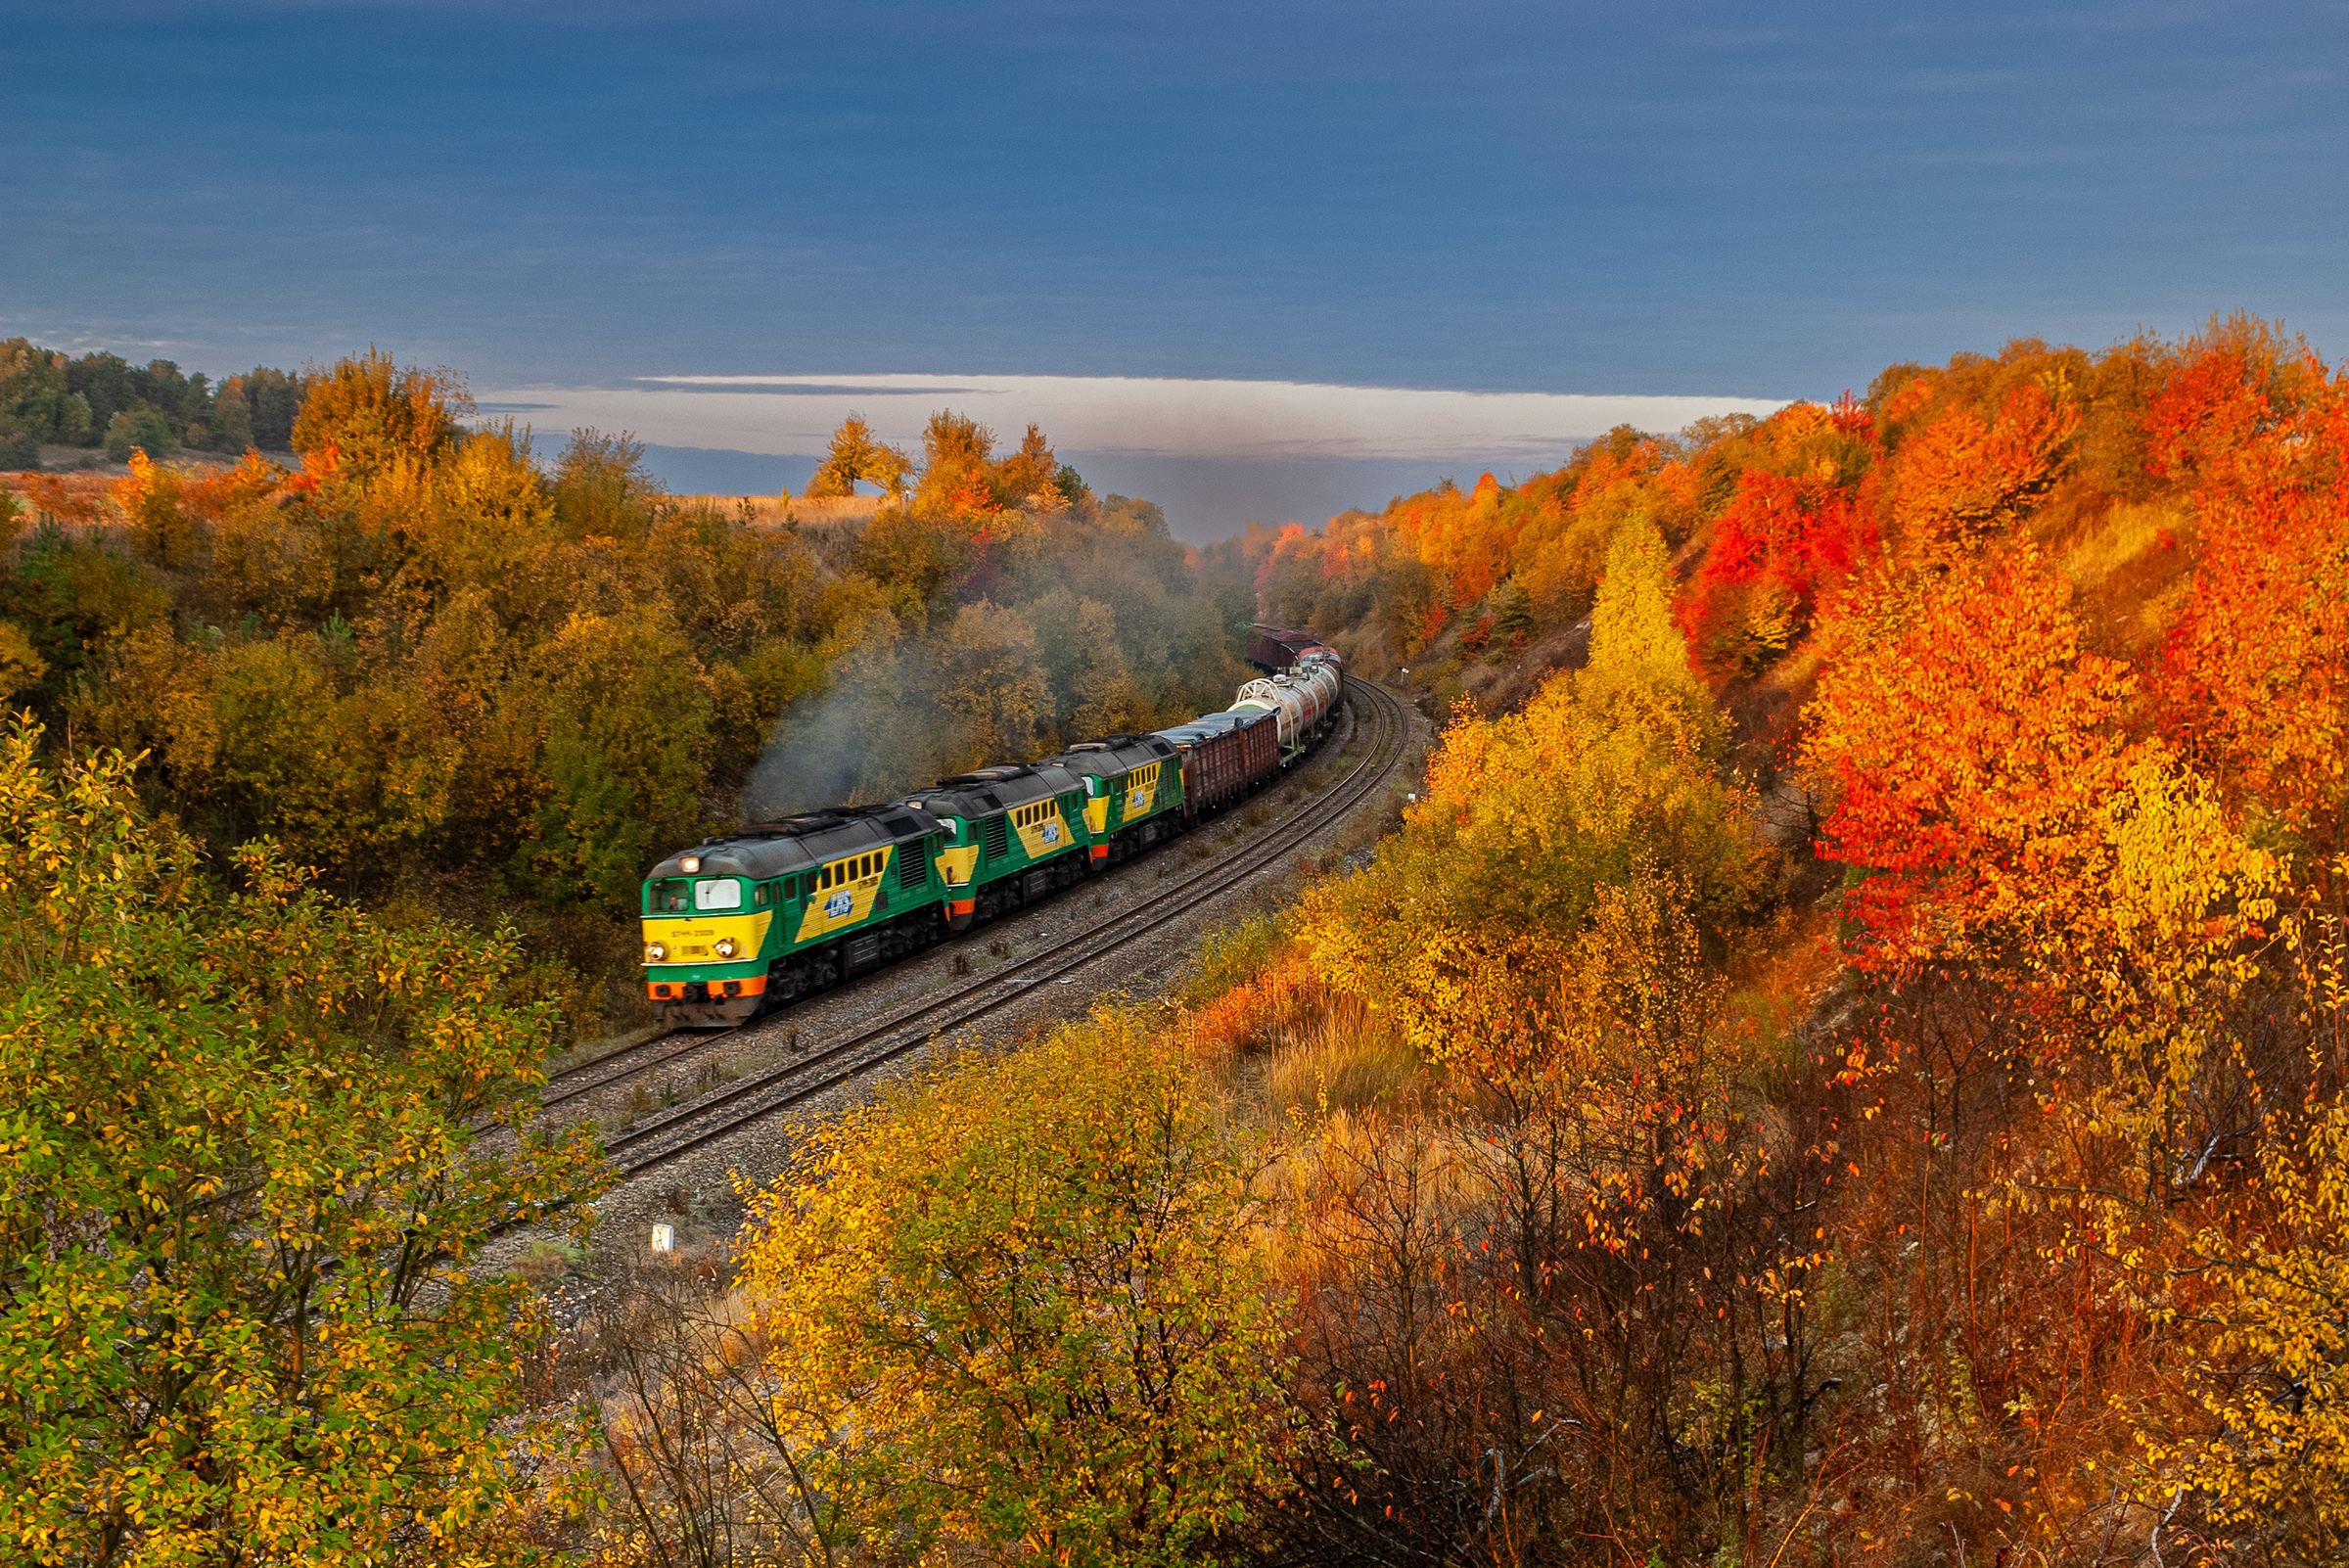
<point x="1839" y="1060"/>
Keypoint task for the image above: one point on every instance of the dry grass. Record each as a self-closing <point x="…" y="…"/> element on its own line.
<point x="2130" y="566"/>
<point x="1274" y="1048"/>
<point x="547" y="1262"/>
<point x="1348" y="1059"/>
<point x="773" y="511"/>
<point x="2122" y="536"/>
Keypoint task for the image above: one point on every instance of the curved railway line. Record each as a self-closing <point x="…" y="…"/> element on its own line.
<point x="668" y="1134"/>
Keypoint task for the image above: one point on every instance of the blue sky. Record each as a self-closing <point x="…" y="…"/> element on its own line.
<point x="1699" y="199"/>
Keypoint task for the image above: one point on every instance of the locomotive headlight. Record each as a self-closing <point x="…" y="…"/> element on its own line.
<point x="654" y="953"/>
<point x="725" y="946"/>
<point x="690" y="864"/>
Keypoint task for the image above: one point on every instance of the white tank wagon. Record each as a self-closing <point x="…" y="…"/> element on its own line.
<point x="1301" y="705"/>
<point x="1322" y="670"/>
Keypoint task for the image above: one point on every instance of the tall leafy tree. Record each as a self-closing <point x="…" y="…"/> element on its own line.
<point x="371" y="412"/>
<point x="856" y="454"/>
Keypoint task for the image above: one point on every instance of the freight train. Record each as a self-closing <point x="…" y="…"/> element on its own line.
<point x="752" y="919"/>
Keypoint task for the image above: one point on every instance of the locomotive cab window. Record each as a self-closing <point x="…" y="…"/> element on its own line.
<point x="759" y="894"/>
<point x="718" y="894"/>
<point x="669" y="896"/>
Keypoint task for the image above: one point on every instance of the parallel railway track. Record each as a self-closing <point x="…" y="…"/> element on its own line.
<point x="633" y="1061"/>
<point x="681" y="1129"/>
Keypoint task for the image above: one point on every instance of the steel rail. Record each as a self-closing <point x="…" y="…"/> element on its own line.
<point x="563" y="1089"/>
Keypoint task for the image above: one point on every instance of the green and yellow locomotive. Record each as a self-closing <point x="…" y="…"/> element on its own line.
<point x="753" y="919"/>
<point x="1133" y="792"/>
<point x="1014" y="834"/>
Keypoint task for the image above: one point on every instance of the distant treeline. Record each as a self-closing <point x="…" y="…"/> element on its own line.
<point x="103" y="400"/>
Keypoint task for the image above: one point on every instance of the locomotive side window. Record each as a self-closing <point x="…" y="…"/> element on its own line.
<point x="759" y="896"/>
<point x="718" y="894"/>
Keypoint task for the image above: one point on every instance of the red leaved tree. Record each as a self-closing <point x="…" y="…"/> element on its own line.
<point x="1966" y="742"/>
<point x="2256" y="670"/>
<point x="1781" y="539"/>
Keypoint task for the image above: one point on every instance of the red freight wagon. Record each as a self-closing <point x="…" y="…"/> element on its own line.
<point x="1226" y="757"/>
<point x="1276" y="648"/>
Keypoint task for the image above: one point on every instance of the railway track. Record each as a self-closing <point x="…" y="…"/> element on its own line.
<point x="633" y="1061"/>
<point x="683" y="1129"/>
<point x="648" y="1056"/>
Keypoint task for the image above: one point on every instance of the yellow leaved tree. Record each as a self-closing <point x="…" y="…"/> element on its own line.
<point x="1609" y="776"/>
<point x="241" y="1198"/>
<point x="1019" y="1308"/>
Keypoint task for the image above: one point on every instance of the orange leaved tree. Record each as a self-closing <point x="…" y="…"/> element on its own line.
<point x="1966" y="742"/>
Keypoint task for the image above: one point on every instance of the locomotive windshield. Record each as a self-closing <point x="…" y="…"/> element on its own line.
<point x="718" y="894"/>
<point x="667" y="895"/>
